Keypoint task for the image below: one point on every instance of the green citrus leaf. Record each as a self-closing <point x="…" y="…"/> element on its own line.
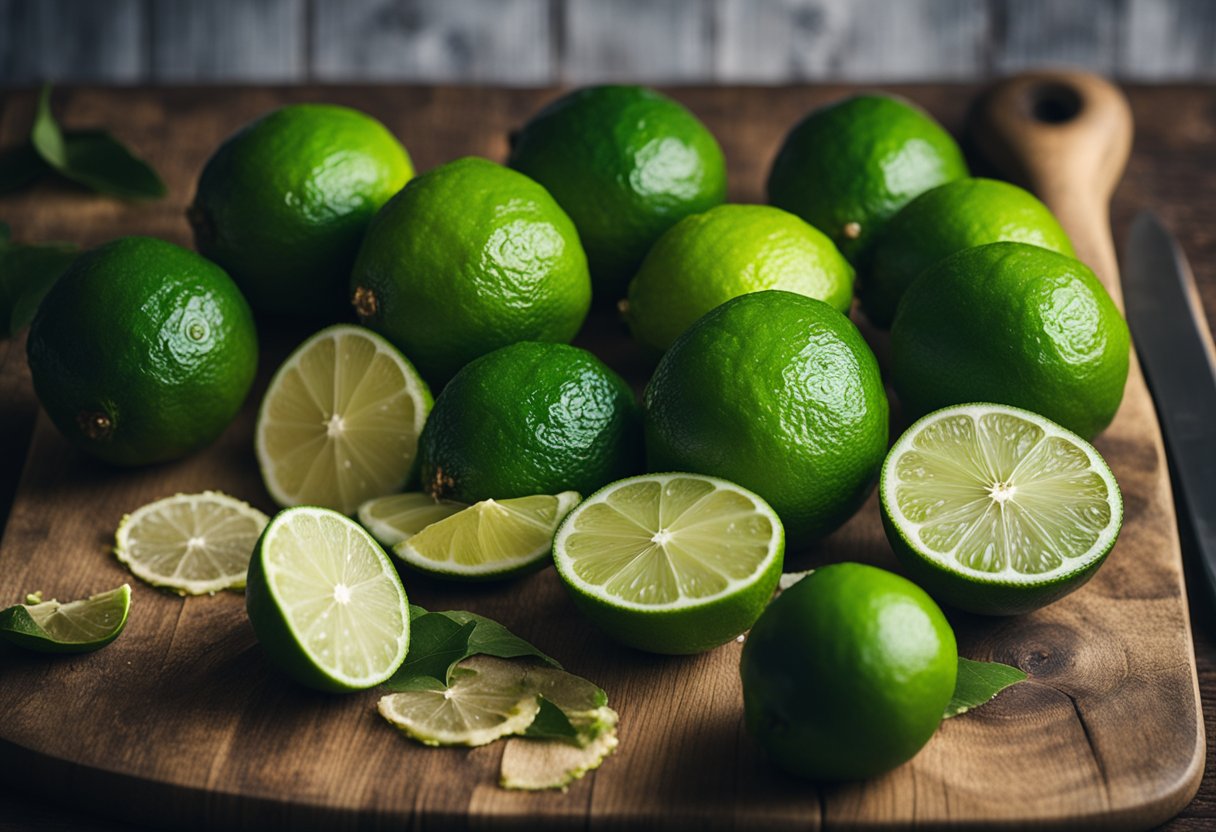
<point x="979" y="682"/>
<point x="27" y="273"/>
<point x="551" y="723"/>
<point x="19" y="166"/>
<point x="492" y="639"/>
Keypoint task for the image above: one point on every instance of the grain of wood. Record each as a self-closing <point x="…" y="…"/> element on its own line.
<point x="1169" y="39"/>
<point x="72" y="40"/>
<point x="1104" y="719"/>
<point x="636" y="40"/>
<point x="227" y="40"/>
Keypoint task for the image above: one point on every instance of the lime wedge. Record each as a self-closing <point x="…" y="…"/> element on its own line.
<point x="399" y="517"/>
<point x="340" y="421"/>
<point x="190" y="543"/>
<point x="490" y="539"/>
<point x="325" y="601"/>
<point x="74" y="627"/>
<point x="532" y="765"/>
<point x="997" y="510"/>
<point x="487" y="698"/>
<point x="671" y="563"/>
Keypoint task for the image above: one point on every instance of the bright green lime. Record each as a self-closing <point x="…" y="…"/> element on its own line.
<point x="531" y="418"/>
<point x="142" y="352"/>
<point x="847" y="673"/>
<point x="73" y="627"/>
<point x="470" y="257"/>
<point x="779" y="393"/>
<point x="1014" y="324"/>
<point x="951" y="217"/>
<point x="671" y="563"/>
<point x="849" y="166"/>
<point x="707" y="259"/>
<point x="626" y="163"/>
<point x="998" y="510"/>
<point x="284" y="203"/>
<point x="326" y="602"/>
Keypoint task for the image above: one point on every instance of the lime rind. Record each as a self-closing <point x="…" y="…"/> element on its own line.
<point x="397" y="517"/>
<point x="192" y="544"/>
<point x="73" y="627"/>
<point x="340" y="421"/>
<point x="491" y="538"/>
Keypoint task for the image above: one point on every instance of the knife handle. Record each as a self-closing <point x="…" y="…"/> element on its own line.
<point x="1066" y="136"/>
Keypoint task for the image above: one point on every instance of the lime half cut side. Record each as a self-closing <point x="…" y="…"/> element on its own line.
<point x="399" y="517"/>
<point x="192" y="544"/>
<point x="490" y="539"/>
<point x="340" y="421"/>
<point x="73" y="627"/>
<point x="671" y="563"/>
<point x="998" y="510"/>
<point x="325" y="601"/>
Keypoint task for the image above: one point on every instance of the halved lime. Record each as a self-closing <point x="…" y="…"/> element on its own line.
<point x="532" y="764"/>
<point x="671" y="563"/>
<point x="997" y="510"/>
<point x="74" y="627"/>
<point x="190" y="543"/>
<point x="490" y="539"/>
<point x="340" y="421"/>
<point x="487" y="698"/>
<point x="325" y="601"/>
<point x="399" y="517"/>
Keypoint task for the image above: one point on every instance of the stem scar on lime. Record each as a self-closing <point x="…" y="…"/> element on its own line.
<point x="365" y="303"/>
<point x="95" y="424"/>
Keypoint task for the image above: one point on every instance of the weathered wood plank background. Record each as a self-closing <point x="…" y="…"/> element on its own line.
<point x="538" y="42"/>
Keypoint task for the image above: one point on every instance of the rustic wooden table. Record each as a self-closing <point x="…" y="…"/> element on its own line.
<point x="1172" y="166"/>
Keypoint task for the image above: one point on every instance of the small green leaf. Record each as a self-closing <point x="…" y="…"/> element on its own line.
<point x="551" y="723"/>
<point x="979" y="682"/>
<point x="492" y="639"/>
<point x="27" y="273"/>
<point x="92" y="158"/>
<point x="437" y="643"/>
<point x="19" y="166"/>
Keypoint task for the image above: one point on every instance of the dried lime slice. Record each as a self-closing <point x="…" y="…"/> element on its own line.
<point x="74" y="627"/>
<point x="533" y="765"/>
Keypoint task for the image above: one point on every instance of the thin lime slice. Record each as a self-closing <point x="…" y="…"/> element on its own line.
<point x="74" y="627"/>
<point x="533" y="765"/>
<point x="325" y="601"/>
<point x="192" y="544"/>
<point x="340" y="421"/>
<point x="490" y="539"/>
<point x="487" y="698"/>
<point x="998" y="510"/>
<point x="671" y="563"/>
<point x="399" y="517"/>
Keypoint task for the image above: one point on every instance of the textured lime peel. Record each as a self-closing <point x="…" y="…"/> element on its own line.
<point x="399" y="517"/>
<point x="72" y="627"/>
<point x="490" y="539"/>
<point x="998" y="510"/>
<point x="193" y="544"/>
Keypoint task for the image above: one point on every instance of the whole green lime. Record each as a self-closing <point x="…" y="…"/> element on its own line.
<point x="142" y="352"/>
<point x="779" y="393"/>
<point x="531" y="418"/>
<point x="707" y="259"/>
<point x="951" y="217"/>
<point x="283" y="203"/>
<point x="626" y="163"/>
<point x="1015" y="324"/>
<point x="470" y="257"/>
<point x="847" y="674"/>
<point x="849" y="166"/>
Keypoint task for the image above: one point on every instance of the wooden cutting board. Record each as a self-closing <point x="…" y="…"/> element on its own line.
<point x="180" y="723"/>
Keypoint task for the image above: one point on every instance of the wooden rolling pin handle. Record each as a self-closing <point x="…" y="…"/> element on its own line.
<point x="1066" y="136"/>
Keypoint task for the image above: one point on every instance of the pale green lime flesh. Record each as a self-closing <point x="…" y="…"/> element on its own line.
<point x="399" y="517"/>
<point x="75" y="626"/>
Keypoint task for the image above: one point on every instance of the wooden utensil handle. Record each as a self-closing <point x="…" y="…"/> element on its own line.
<point x="1066" y="136"/>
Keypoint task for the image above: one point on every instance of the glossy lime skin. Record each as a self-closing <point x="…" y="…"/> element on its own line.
<point x="284" y="202"/>
<point x="626" y="163"/>
<point x="1013" y="324"/>
<point x="849" y="166"/>
<point x="531" y="418"/>
<point x="777" y="392"/>
<point x="960" y="214"/>
<point x="470" y="257"/>
<point x="707" y="259"/>
<point x="142" y="352"/>
<point x="847" y="674"/>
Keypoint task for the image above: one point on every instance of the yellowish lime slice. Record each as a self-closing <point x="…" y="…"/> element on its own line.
<point x="399" y="517"/>
<point x="74" y="627"/>
<point x="325" y="601"/>
<point x="547" y="764"/>
<point x="192" y="544"/>
<point x="671" y="563"/>
<point x="340" y="421"/>
<point x="490" y="539"/>
<point x="997" y="510"/>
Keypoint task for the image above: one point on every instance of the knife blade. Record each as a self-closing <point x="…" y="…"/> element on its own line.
<point x="1175" y="348"/>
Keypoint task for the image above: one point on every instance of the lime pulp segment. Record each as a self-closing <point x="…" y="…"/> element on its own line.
<point x="399" y="517"/>
<point x="72" y="627"/>
<point x="996" y="493"/>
